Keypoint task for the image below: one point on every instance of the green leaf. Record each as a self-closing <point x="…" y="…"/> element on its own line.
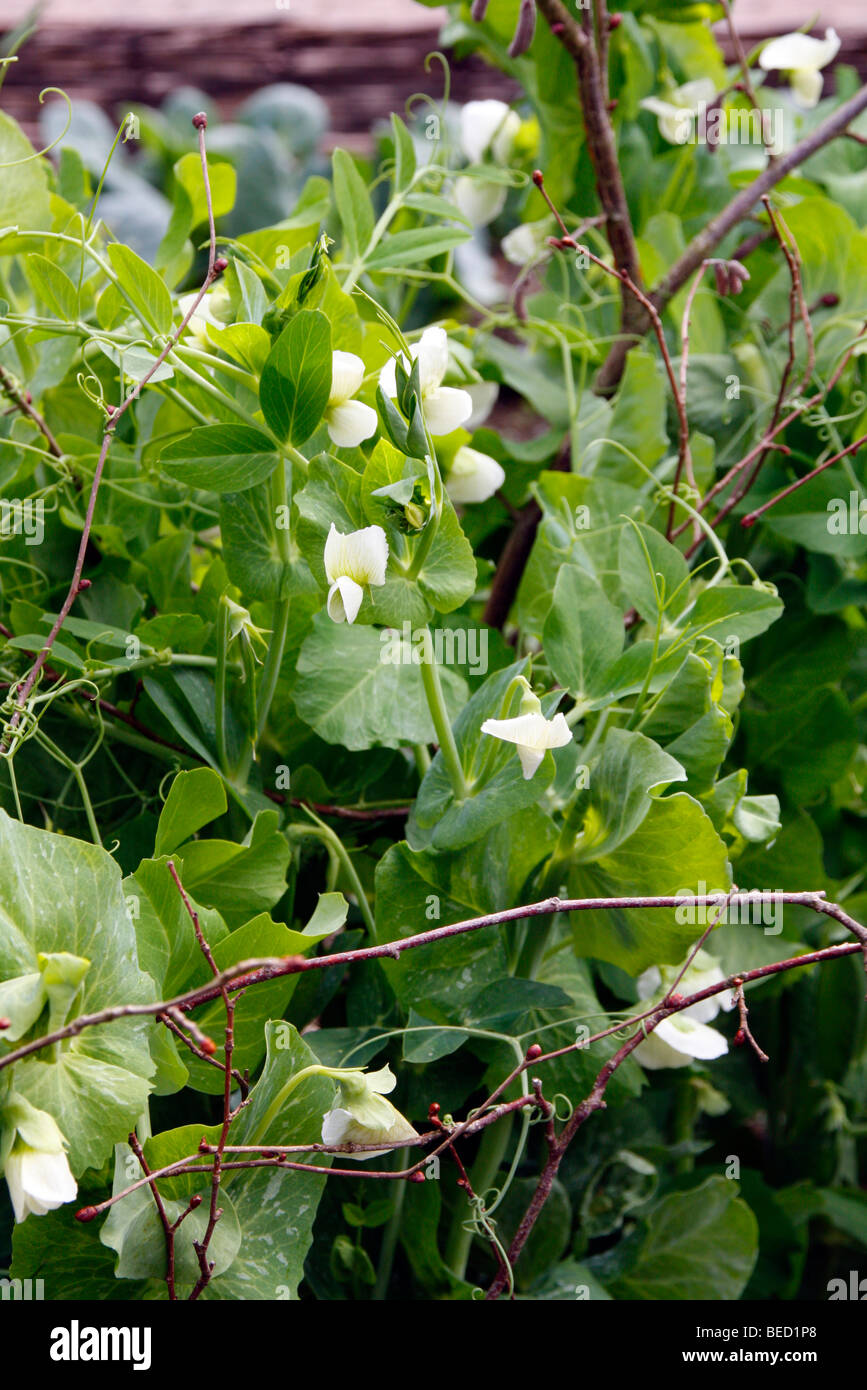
<point x="59" y="894"/>
<point x="404" y="154"/>
<point x="223" y="181"/>
<point x="145" y="289"/>
<point x="194" y="799"/>
<point x="694" y="1245"/>
<point x="417" y="891"/>
<point x="54" y="286"/>
<point x="256" y="939"/>
<point x="329" y="915"/>
<point x="296" y="379"/>
<point x="674" y="850"/>
<point x="353" y="203"/>
<point x="350" y="695"/>
<point x="24" y="196"/>
<point x="276" y="1210"/>
<point x="237" y="879"/>
<point x="630" y="769"/>
<point x="583" y="634"/>
<point x="250" y="550"/>
<point x="69" y="1256"/>
<point x="416" y="244"/>
<point x="734" y="610"/>
<point x="220" y="458"/>
<point x="134" y="1229"/>
<point x="654" y="575"/>
<point x="167" y="943"/>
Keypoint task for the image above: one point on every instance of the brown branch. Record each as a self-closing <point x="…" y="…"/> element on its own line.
<point x="596" y="1099"/>
<point x="277" y="1155"/>
<point x="24" y="402"/>
<point x="770" y="435"/>
<point x="601" y="146"/>
<point x="168" y="1228"/>
<point x="752" y="517"/>
<point x="243" y="974"/>
<point x="724" y="222"/>
<point x="797" y="309"/>
<point x="744" y="1033"/>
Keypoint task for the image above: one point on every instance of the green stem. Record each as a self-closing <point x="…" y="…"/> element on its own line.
<point x="392" y="1231"/>
<point x="446" y="739"/>
<point x="492" y="1151"/>
<point x="334" y="844"/>
<point x="75" y="770"/>
<point x="422" y="758"/>
<point x="220" y="694"/>
<point x="280" y="622"/>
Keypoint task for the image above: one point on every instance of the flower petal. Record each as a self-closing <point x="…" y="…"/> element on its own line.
<point x="793" y="52"/>
<point x="530" y="758"/>
<point x="361" y="555"/>
<point x="387" y="378"/>
<point x="478" y="200"/>
<point x="473" y="476"/>
<point x="350" y="422"/>
<point x="382" y="1081"/>
<point x="432" y="351"/>
<point x="344" y="600"/>
<point x="445" y="408"/>
<point x="807" y="84"/>
<point x="487" y="125"/>
<point x="347" y="374"/>
<point x="529" y="730"/>
<point x="365" y="554"/>
<point x="335" y="1125"/>
<point x="483" y="395"/>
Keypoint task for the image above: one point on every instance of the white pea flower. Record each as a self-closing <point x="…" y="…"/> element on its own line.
<point x="676" y="116"/>
<point x="483" y="395"/>
<point x="351" y="562"/>
<point x="488" y="127"/>
<point x="37" y="1170"/>
<point x="533" y="734"/>
<point x="364" y="1116"/>
<point x="216" y="303"/>
<point x="473" y="476"/>
<point x="677" y="1041"/>
<point x="803" y="58"/>
<point x="524" y="242"/>
<point x="445" y="407"/>
<point x="479" y="200"/>
<point x="348" y="421"/>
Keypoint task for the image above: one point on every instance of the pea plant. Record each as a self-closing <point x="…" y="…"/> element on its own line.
<point x="432" y="644"/>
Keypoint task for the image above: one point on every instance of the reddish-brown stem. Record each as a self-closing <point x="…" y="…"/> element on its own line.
<point x="168" y="1228"/>
<point x="752" y="517"/>
<point x="725" y="221"/>
<point x="23" y="403"/>
<point x="250" y="972"/>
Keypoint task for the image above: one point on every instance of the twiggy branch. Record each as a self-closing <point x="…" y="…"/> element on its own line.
<point x="596" y="1098"/>
<point x="168" y="1228"/>
<point x="24" y="402"/>
<point x="744" y="1033"/>
<point x="244" y="974"/>
<point x="752" y="517"/>
<point x="601" y="146"/>
<point x="725" y="221"/>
